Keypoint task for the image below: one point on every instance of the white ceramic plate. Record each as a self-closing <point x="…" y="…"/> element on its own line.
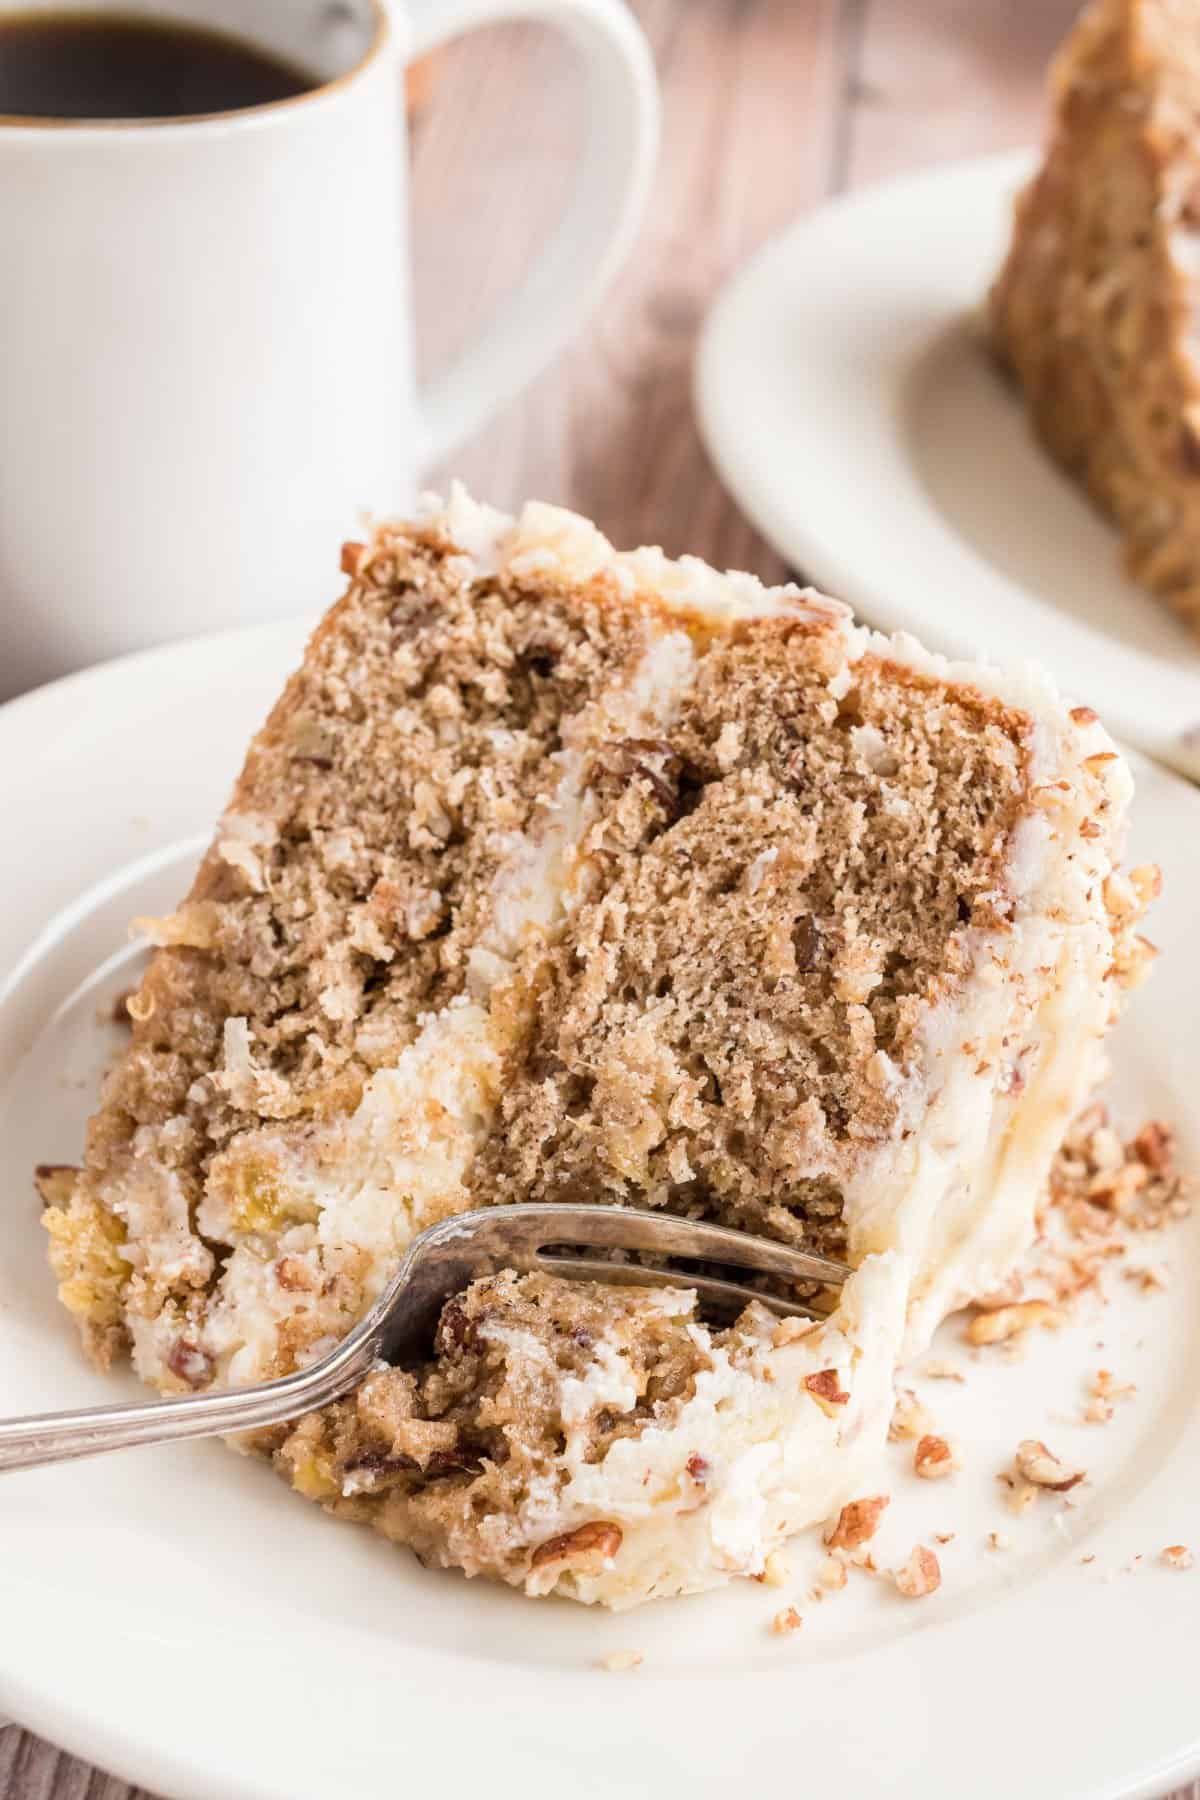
<point x="180" y="1617"/>
<point x="848" y="404"/>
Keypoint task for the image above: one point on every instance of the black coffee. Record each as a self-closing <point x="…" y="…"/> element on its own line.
<point x="63" y="65"/>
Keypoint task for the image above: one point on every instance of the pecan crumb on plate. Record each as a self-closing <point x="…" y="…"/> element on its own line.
<point x="857" y="1521"/>
<point x="921" y="1574"/>
<point x="617" y="1661"/>
<point x="1039" y="1465"/>
<point x="934" y="1458"/>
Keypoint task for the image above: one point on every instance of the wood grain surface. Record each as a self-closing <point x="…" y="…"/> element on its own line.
<point x="769" y="107"/>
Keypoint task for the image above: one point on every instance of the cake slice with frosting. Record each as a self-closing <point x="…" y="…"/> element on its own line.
<point x="564" y="874"/>
<point x="1094" y="311"/>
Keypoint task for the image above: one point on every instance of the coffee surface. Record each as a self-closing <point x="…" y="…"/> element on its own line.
<point x="117" y="66"/>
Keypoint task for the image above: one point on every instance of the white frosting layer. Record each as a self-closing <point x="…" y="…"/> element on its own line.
<point x="773" y="1457"/>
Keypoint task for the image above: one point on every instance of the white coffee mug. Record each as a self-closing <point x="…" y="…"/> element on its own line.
<point x="205" y="326"/>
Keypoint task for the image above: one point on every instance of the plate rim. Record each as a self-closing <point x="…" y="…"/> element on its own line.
<point x="134" y="1746"/>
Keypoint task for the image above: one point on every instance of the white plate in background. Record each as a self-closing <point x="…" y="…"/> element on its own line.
<point x="850" y="408"/>
<point x="179" y="1617"/>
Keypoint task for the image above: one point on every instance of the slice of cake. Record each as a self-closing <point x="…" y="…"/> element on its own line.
<point x="563" y="874"/>
<point x="1095" y="310"/>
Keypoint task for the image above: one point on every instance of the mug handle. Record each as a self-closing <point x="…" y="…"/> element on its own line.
<point x="602" y="215"/>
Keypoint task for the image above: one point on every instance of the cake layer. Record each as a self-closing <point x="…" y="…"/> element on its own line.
<point x="1095" y="308"/>
<point x="559" y="873"/>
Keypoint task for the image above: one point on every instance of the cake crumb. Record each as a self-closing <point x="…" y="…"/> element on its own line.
<point x="1177" y="1556"/>
<point x="617" y="1661"/>
<point x="1021" y="1493"/>
<point x="909" y="1418"/>
<point x="1008" y="1321"/>
<point x="791" y="1330"/>
<point x="777" y="1571"/>
<point x="1108" y="1388"/>
<point x="921" y="1574"/>
<point x="938" y="1369"/>
<point x="832" y="1574"/>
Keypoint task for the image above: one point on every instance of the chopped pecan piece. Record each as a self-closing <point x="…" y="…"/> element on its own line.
<point x="857" y="1521"/>
<point x="599" y="1540"/>
<point x="825" y="1386"/>
<point x="651" y="760"/>
<point x="191" y="1364"/>
<point x="934" y="1458"/>
<point x="921" y="1574"/>
<point x="909" y="1418"/>
<point x="808" y="944"/>
<point x="1006" y="1321"/>
<point x="455" y="1330"/>
<point x="1040" y="1466"/>
<point x="293" y="1275"/>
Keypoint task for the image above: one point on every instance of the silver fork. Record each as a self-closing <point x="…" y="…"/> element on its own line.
<point x="400" y="1326"/>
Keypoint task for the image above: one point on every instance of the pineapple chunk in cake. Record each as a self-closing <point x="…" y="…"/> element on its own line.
<point x="1095" y="309"/>
<point x="558" y="873"/>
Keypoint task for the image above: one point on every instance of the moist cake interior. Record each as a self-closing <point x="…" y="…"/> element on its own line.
<point x="782" y="882"/>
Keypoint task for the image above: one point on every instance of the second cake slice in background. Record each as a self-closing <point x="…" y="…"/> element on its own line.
<point x="1095" y="310"/>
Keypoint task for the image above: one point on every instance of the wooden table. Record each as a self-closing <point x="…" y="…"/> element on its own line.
<point x="769" y="107"/>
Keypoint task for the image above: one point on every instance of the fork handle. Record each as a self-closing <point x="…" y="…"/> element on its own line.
<point x="41" y="1438"/>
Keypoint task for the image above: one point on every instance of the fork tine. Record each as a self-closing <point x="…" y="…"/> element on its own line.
<point x="528" y="1229"/>
<point x="456" y="1251"/>
<point x="728" y="1295"/>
